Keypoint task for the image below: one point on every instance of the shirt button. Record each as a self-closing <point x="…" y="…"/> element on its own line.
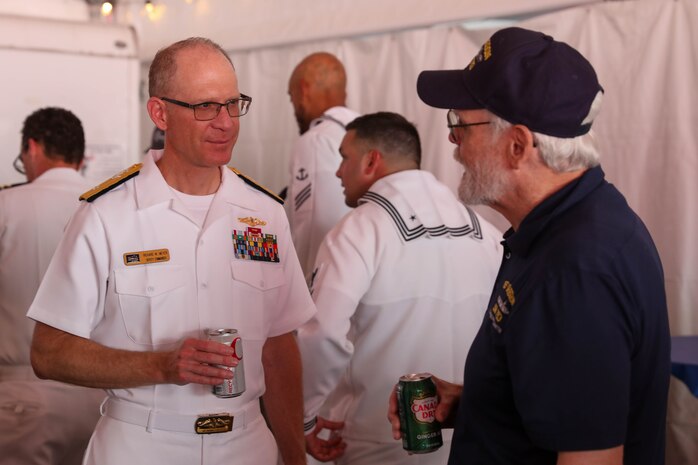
<point x="204" y="285"/>
<point x="150" y="289"/>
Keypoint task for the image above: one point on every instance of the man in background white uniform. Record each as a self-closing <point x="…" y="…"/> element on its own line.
<point x="401" y="284"/>
<point x="157" y="257"/>
<point x="314" y="202"/>
<point x="41" y="422"/>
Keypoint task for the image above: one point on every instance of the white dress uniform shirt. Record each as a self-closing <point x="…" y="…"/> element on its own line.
<point x="207" y="280"/>
<point x="315" y="199"/>
<point x="401" y="287"/>
<point x="32" y="219"/>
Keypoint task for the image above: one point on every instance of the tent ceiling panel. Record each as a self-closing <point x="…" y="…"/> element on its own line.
<point x="250" y="24"/>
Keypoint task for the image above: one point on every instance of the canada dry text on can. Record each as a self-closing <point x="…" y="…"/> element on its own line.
<point x="416" y="396"/>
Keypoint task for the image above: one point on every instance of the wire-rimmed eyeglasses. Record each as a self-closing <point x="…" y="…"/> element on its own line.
<point x="206" y="111"/>
<point x="453" y="121"/>
<point x="18" y="164"/>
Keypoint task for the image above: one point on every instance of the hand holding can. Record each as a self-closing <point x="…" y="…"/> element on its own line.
<point x="417" y="401"/>
<point x="234" y="386"/>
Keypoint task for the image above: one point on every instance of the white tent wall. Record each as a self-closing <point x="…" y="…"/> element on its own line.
<point x="646" y="58"/>
<point x="89" y="69"/>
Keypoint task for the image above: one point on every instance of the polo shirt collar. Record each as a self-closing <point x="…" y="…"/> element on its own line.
<point x="521" y="241"/>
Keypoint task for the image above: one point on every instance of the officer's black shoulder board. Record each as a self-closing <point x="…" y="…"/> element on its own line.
<point x="257" y="186"/>
<point x="10" y="186"/>
<point x="112" y="182"/>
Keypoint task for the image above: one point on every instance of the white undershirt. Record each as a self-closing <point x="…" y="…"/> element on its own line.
<point x="197" y="205"/>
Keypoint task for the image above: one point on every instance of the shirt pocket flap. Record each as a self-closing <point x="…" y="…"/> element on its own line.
<point x="258" y="275"/>
<point x="148" y="281"/>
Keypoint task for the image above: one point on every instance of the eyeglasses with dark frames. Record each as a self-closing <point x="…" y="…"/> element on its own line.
<point x="453" y="121"/>
<point x="18" y="164"/>
<point x="206" y="111"/>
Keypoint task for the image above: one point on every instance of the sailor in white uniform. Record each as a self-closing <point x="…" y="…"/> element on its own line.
<point x="158" y="256"/>
<point x="401" y="284"/>
<point x="32" y="219"/>
<point x="314" y="201"/>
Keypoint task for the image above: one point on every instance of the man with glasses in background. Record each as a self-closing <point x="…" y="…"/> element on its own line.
<point x="32" y="219"/>
<point x="157" y="257"/>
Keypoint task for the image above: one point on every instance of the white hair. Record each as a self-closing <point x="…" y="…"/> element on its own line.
<point x="558" y="153"/>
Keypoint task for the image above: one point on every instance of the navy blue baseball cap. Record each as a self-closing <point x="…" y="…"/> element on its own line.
<point x="524" y="77"/>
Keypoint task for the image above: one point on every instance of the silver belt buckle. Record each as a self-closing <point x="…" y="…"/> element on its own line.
<point x="212" y="424"/>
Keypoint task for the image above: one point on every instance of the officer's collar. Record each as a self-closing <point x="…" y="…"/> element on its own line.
<point x="152" y="189"/>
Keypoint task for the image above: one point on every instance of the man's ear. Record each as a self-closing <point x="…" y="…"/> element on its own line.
<point x="34" y="148"/>
<point x="304" y="91"/>
<point x="519" y="145"/>
<point x="157" y="113"/>
<point x="373" y="161"/>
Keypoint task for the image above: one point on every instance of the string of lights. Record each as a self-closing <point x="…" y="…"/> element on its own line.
<point x="106" y="9"/>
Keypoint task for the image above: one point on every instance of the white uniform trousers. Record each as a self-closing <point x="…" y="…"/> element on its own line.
<point x="116" y="442"/>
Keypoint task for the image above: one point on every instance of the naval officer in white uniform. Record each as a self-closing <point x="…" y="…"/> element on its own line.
<point x="32" y="219"/>
<point x="315" y="202"/>
<point x="400" y="284"/>
<point x="158" y="256"/>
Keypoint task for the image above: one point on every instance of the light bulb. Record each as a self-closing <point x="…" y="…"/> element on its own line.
<point x="107" y="8"/>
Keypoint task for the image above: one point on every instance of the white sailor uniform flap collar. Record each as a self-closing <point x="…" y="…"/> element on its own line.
<point x="419" y="206"/>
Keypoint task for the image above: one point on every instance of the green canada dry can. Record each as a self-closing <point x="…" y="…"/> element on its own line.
<point x="235" y="386"/>
<point x="416" y="397"/>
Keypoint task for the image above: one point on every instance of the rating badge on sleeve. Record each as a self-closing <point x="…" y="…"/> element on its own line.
<point x="253" y="244"/>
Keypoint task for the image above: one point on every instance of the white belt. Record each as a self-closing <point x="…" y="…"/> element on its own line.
<point x="168" y="421"/>
<point x="17" y="373"/>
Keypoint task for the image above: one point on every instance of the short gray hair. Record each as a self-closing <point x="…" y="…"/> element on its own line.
<point x="561" y="154"/>
<point x="164" y="65"/>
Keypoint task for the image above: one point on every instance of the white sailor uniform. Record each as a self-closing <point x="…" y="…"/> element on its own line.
<point x="315" y="200"/>
<point x="32" y="219"/>
<point x="401" y="285"/>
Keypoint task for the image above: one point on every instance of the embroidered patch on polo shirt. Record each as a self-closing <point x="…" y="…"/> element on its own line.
<point x="501" y="308"/>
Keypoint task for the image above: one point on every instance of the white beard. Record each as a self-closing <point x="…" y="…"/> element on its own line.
<point x="484" y="182"/>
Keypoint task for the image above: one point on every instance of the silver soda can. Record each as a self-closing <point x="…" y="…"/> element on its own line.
<point x="236" y="385"/>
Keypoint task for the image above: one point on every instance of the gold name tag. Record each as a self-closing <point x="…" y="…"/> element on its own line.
<point x="146" y="256"/>
<point x="220" y="423"/>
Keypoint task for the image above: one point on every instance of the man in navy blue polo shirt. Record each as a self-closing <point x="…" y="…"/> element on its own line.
<point x="571" y="363"/>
